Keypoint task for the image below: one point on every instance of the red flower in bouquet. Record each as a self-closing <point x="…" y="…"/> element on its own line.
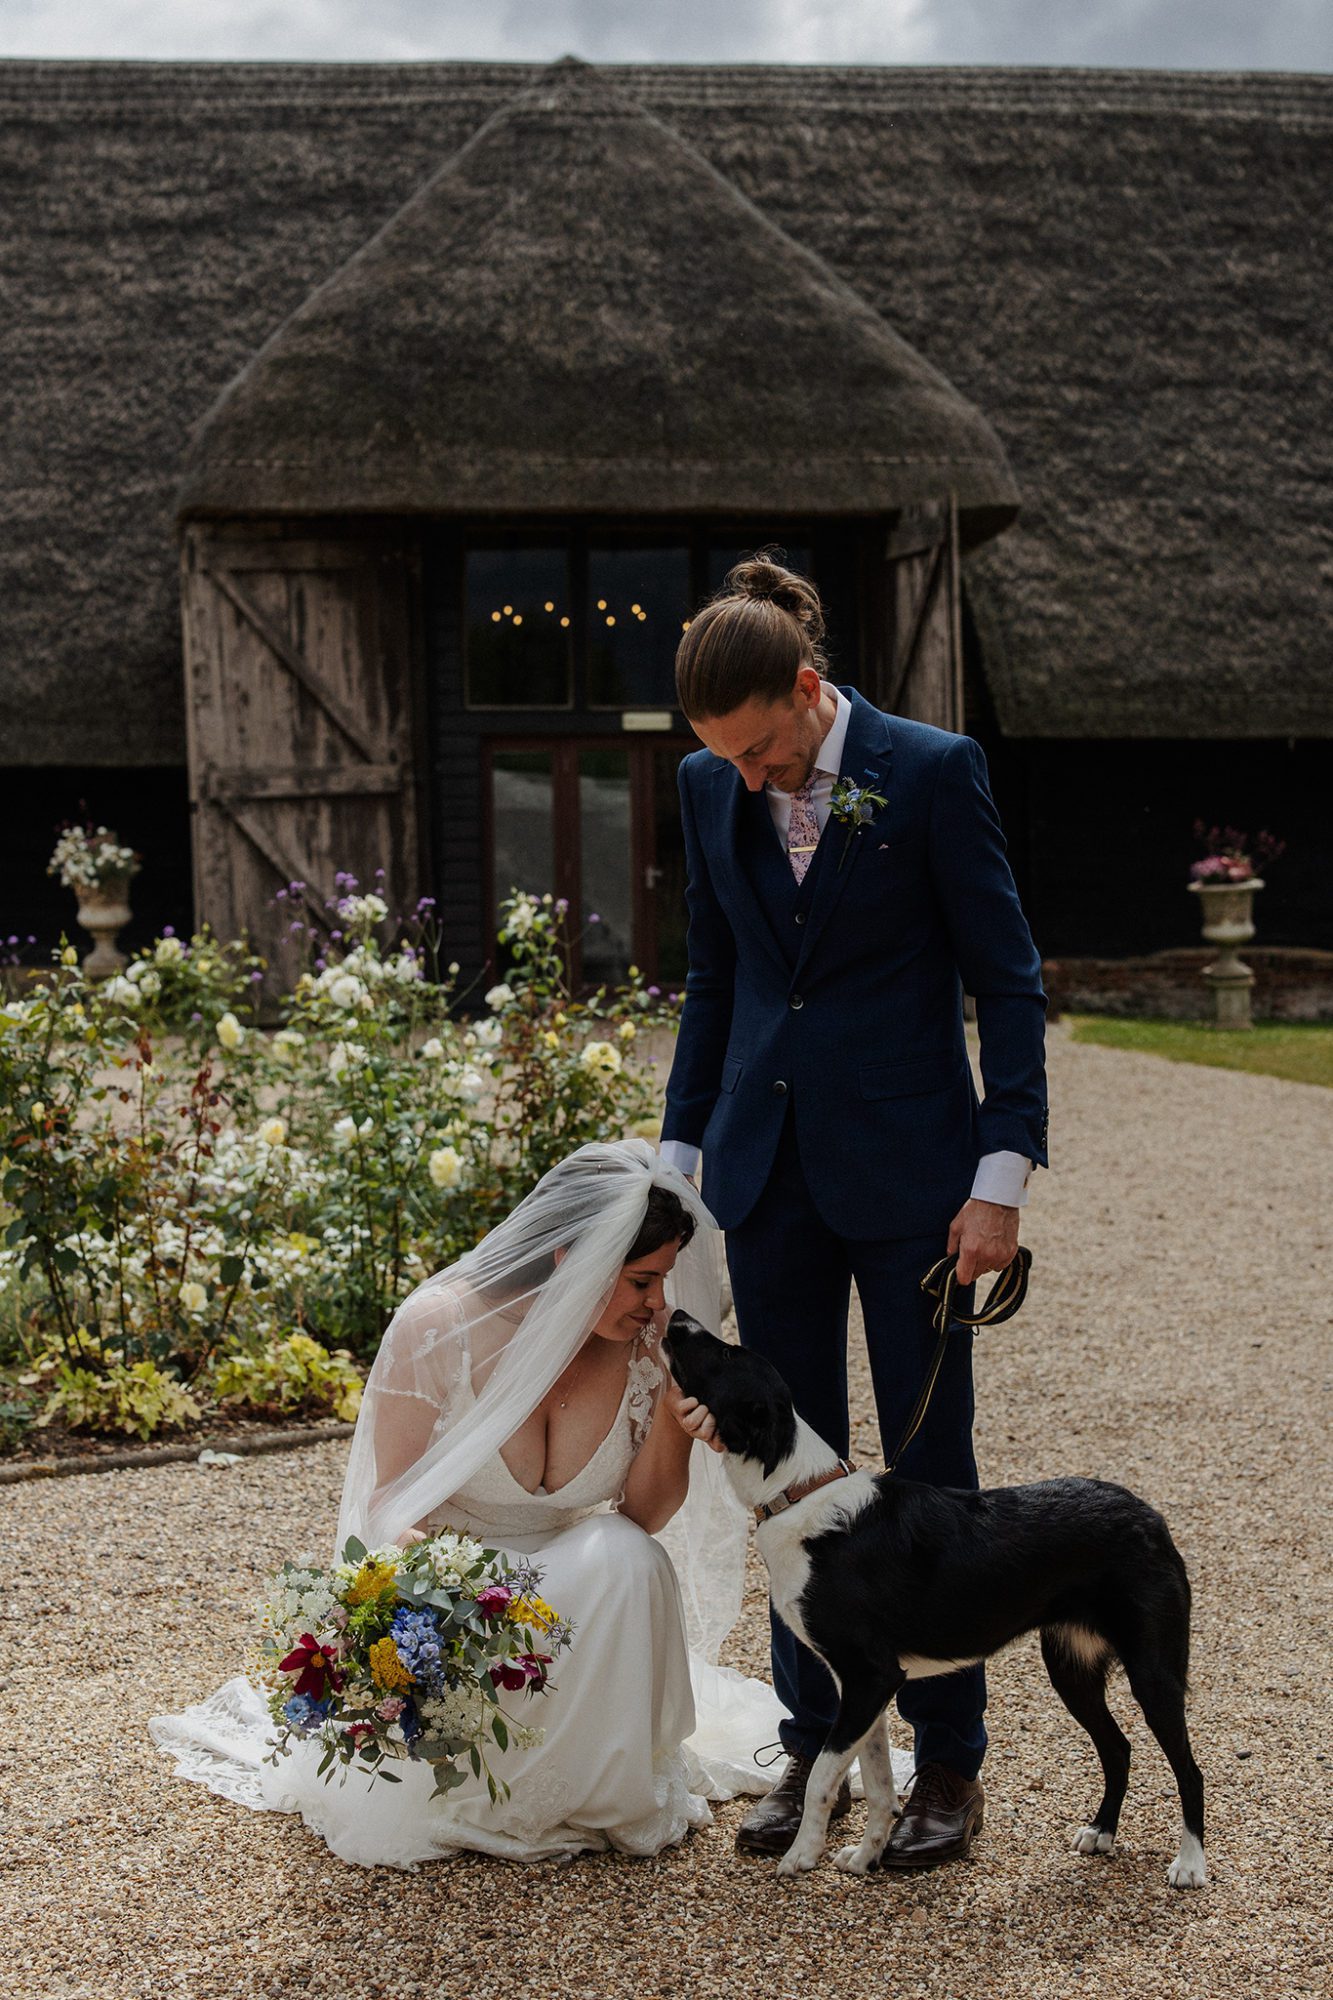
<point x="514" y="1675"/>
<point x="495" y="1600"/>
<point x="313" y="1665"/>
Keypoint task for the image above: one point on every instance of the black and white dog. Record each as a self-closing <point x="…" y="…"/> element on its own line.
<point x="889" y="1581"/>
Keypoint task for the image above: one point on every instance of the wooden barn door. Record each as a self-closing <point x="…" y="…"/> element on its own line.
<point x="923" y="647"/>
<point x="300" y="677"/>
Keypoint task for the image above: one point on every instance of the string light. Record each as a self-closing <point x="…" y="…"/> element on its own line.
<point x="637" y="609"/>
<point x="610" y="621"/>
<point x="564" y="621"/>
<point x="684" y="624"/>
<point x="549" y="605"/>
<point x="601" y="604"/>
<point x="518" y="618"/>
<point x="495" y="617"/>
<point x="509" y="611"/>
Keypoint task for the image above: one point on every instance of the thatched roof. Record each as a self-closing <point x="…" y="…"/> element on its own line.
<point x="1128" y="274"/>
<point x="578" y="314"/>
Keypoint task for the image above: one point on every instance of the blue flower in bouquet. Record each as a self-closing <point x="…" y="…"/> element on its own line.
<point x="409" y="1721"/>
<point x="304" y="1713"/>
<point x="417" y="1637"/>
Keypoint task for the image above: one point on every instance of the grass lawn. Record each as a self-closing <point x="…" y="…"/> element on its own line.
<point x="1302" y="1051"/>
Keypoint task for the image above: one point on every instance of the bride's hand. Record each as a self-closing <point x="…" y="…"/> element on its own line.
<point x="412" y="1535"/>
<point x="694" y="1418"/>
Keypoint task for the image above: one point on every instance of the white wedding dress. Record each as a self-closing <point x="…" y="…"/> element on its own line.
<point x="622" y="1763"/>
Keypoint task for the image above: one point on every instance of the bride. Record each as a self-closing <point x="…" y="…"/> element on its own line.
<point x="518" y="1398"/>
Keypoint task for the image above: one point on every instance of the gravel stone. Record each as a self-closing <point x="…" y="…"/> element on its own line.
<point x="1176" y="1338"/>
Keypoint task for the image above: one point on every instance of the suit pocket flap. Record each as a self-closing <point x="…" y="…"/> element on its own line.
<point x="731" y="1072"/>
<point x="910" y="1079"/>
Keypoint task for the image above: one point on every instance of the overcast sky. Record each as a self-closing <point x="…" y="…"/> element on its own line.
<point x="1165" y="34"/>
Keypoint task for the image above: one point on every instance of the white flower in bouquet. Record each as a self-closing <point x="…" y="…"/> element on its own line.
<point x="445" y="1166"/>
<point x="230" y="1032"/>
<point x="499" y="996"/>
<point x="193" y="1297"/>
<point x="602" y="1059"/>
<point x="273" y="1132"/>
<point x="433" y="1050"/>
<point x="168" y="950"/>
<point x="121" y="992"/>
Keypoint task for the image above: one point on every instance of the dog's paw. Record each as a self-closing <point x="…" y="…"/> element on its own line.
<point x="857" y="1860"/>
<point x="1094" y="1840"/>
<point x="797" y="1860"/>
<point x="1189" y="1869"/>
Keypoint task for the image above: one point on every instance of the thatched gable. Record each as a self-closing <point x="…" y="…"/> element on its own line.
<point x="1129" y="275"/>
<point x="578" y="314"/>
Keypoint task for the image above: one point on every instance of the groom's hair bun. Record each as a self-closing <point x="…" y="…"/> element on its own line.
<point x="750" y="642"/>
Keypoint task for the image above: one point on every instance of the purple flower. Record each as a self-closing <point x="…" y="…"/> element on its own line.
<point x="295" y="929"/>
<point x="168" y="930"/>
<point x="594" y="918"/>
<point x="281" y="896"/>
<point x="654" y="992"/>
<point x="196" y="1017"/>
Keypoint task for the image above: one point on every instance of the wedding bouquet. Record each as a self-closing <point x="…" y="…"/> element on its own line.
<point x="396" y="1653"/>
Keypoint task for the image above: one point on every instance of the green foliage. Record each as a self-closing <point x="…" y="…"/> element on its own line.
<point x="288" y="1374"/>
<point x="177" y="1182"/>
<point x="138" y="1398"/>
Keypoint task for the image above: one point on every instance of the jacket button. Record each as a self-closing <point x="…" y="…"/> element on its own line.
<point x="796" y="1003"/>
<point x="779" y="1088"/>
<point x="800" y="916"/>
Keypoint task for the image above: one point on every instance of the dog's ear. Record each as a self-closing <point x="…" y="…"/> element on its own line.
<point x="756" y="1427"/>
<point x="777" y="1435"/>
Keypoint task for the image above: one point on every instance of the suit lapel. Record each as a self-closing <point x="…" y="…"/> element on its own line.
<point x="866" y="756"/>
<point x="735" y="805"/>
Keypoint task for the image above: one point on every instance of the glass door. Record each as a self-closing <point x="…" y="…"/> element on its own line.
<point x="597" y="822"/>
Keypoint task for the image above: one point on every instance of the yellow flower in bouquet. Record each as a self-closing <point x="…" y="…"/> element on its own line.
<point x="386" y="1666"/>
<point x="532" y="1611"/>
<point x="372" y="1581"/>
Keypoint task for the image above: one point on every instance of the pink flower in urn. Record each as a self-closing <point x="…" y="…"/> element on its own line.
<point x="495" y="1600"/>
<point x="390" y="1708"/>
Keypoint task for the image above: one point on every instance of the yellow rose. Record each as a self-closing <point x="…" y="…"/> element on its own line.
<point x="550" y="1039"/>
<point x="69" y="956"/>
<point x="230" y="1032"/>
<point x="445" y="1166"/>
<point x="601" y="1058"/>
<point x="627" y="1031"/>
<point x="273" y="1131"/>
<point x="193" y="1297"/>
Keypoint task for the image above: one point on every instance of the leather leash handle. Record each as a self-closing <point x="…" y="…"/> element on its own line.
<point x="1006" y="1296"/>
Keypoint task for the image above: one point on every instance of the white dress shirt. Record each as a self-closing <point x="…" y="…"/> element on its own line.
<point x="1000" y="1177"/>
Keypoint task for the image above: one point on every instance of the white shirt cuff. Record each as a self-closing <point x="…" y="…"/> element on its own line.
<point x="1003" y="1178"/>
<point x="685" y="1159"/>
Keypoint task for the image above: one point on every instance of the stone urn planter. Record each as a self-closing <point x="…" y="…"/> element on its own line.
<point x="104" y="911"/>
<point x="1228" y="921"/>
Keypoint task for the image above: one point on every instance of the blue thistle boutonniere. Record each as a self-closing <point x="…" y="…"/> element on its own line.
<point x="854" y="807"/>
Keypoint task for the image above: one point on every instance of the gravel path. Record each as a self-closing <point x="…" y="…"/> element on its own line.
<point x="1177" y="1338"/>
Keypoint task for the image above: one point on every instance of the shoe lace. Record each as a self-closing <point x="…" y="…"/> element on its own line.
<point x="931" y="1786"/>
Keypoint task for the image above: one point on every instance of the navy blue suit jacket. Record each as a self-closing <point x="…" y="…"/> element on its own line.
<point x="843" y="1002"/>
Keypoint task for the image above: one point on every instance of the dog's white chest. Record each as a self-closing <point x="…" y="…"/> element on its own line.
<point x="782" y="1543"/>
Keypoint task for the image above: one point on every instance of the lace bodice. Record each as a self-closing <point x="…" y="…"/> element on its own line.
<point x="495" y="1501"/>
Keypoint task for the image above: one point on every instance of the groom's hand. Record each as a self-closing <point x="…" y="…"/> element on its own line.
<point x="985" y="1236"/>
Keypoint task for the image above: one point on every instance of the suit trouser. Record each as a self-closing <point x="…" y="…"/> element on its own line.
<point x="791" y="1278"/>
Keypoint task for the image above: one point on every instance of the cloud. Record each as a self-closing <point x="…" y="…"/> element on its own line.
<point x="1166" y="34"/>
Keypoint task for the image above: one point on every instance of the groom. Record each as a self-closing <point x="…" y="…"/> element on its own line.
<point x="822" y="1071"/>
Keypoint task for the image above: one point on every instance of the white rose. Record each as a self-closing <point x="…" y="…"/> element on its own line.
<point x="344" y="1132"/>
<point x="433" y="1050"/>
<point x="121" y="992"/>
<point x="345" y="1056"/>
<point x="489" y="1034"/>
<point x="150" y="984"/>
<point x="365" y="1128"/>
<point x="601" y="1057"/>
<point x="470" y="1085"/>
<point x="273" y="1131"/>
<point x="445" y="1167"/>
<point x="286" y="1043"/>
<point x="193" y="1297"/>
<point x="230" y="1032"/>
<point x="167" y="950"/>
<point x="347" y="991"/>
<point x="499" y="996"/>
<point x="627" y="1031"/>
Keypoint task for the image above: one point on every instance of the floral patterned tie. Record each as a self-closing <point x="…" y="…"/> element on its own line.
<point x="802" y="829"/>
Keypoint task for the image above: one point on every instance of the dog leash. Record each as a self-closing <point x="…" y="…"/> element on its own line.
<point x="941" y="1281"/>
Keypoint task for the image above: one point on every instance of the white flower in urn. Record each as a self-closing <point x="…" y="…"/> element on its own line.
<point x="499" y="996"/>
<point x="445" y="1167"/>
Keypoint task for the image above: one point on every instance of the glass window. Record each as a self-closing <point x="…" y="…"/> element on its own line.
<point x="523" y="822"/>
<point x="637" y="604"/>
<point x="516" y="627"/>
<point x="608" y="890"/>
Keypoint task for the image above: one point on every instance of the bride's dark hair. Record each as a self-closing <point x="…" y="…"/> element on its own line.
<point x="665" y="1220"/>
<point x="751" y="641"/>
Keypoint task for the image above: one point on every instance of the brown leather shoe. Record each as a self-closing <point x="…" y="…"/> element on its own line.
<point x="769" y="1827"/>
<point x="939" y="1822"/>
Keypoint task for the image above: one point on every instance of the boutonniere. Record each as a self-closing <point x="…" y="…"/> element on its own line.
<point x="854" y="807"/>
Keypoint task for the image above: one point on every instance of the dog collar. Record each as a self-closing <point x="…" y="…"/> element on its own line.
<point x="802" y="1491"/>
